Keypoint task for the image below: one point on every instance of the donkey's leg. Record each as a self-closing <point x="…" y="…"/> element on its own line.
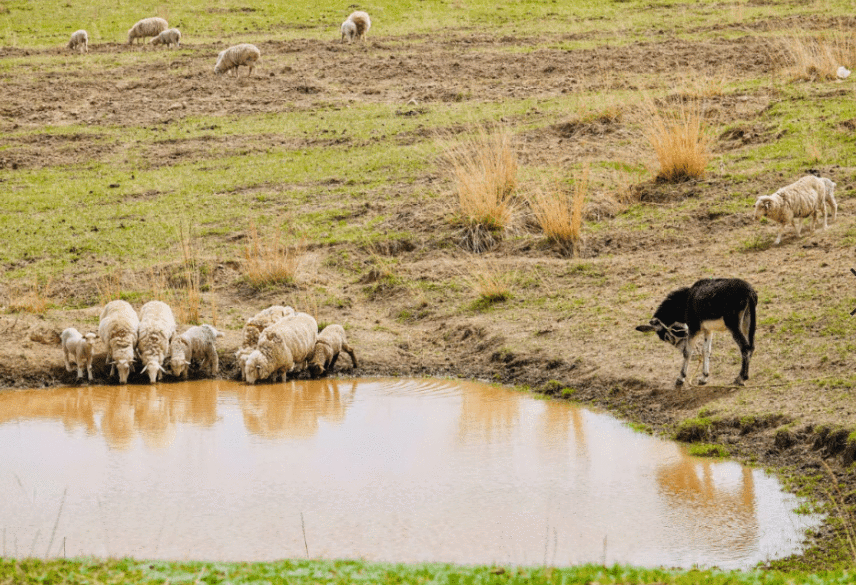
<point x="687" y="349"/>
<point x="705" y="369"/>
<point x="737" y="325"/>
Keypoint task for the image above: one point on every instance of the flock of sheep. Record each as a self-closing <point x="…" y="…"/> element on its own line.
<point x="276" y="341"/>
<point x="355" y="27"/>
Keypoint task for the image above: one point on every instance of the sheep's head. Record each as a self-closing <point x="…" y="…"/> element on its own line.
<point x="178" y="356"/>
<point x="90" y="338"/>
<point x="256" y="367"/>
<point x="124" y="367"/>
<point x="153" y="368"/>
<point x="762" y="206"/>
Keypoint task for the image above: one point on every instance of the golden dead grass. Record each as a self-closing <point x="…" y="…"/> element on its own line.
<point x="679" y="138"/>
<point x="33" y="299"/>
<point x="484" y="168"/>
<point x="267" y="260"/>
<point x="802" y="55"/>
<point x="560" y="214"/>
<point x="488" y="283"/>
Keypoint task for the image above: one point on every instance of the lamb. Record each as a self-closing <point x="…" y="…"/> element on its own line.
<point x="286" y="344"/>
<point x="356" y="26"/>
<point x="79" y="348"/>
<point x="712" y="304"/>
<point x="157" y="327"/>
<point x="830" y="196"/>
<point x="80" y="41"/>
<point x="118" y="330"/>
<point x="169" y="37"/>
<point x="234" y="57"/>
<point x="147" y="27"/>
<point x="253" y="329"/>
<point x="330" y="342"/>
<point x="196" y="344"/>
<point x="804" y="198"/>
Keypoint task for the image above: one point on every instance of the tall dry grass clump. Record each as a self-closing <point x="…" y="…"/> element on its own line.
<point x="489" y="284"/>
<point x="188" y="297"/>
<point x="267" y="260"/>
<point x="34" y="298"/>
<point x="560" y="214"/>
<point x="680" y="140"/>
<point x="805" y="56"/>
<point x="484" y="168"/>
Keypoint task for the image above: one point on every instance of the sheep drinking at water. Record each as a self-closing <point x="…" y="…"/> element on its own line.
<point x="356" y="26"/>
<point x="147" y="27"/>
<point x="282" y="347"/>
<point x="77" y="349"/>
<point x="156" y="329"/>
<point x="253" y="329"/>
<point x="197" y="344"/>
<point x="169" y="37"/>
<point x="715" y="304"/>
<point x="789" y="205"/>
<point x="233" y="57"/>
<point x="79" y="40"/>
<point x="329" y="344"/>
<point x="118" y="330"/>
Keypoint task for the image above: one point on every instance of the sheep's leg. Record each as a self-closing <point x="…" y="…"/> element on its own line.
<point x="89" y="370"/>
<point x="333" y="362"/>
<point x="68" y="367"/>
<point x="350" y="351"/>
<point x="708" y="346"/>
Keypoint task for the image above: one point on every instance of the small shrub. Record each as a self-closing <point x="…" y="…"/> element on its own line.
<point x="490" y="285"/>
<point x="560" y="215"/>
<point x="708" y="450"/>
<point x="269" y="261"/>
<point x="680" y="141"/>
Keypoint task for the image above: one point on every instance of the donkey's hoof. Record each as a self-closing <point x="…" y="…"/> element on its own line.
<point x="679" y="382"/>
<point x="701" y="381"/>
<point x="738" y="381"/>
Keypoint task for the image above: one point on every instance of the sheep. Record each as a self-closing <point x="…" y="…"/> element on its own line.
<point x="282" y="347"/>
<point x="169" y="37"/>
<point x="356" y="26"/>
<point x="254" y="327"/>
<point x="830" y="196"/>
<point x="80" y="41"/>
<point x="804" y="198"/>
<point x="234" y="57"/>
<point x="118" y="330"/>
<point x="197" y="343"/>
<point x="79" y="348"/>
<point x="330" y="342"/>
<point x="157" y="327"/>
<point x="713" y="304"/>
<point x="147" y="27"/>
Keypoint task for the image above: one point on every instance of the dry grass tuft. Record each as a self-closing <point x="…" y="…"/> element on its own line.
<point x="188" y="297"/>
<point x="484" y="167"/>
<point x="34" y="299"/>
<point x="804" y="56"/>
<point x="559" y="214"/>
<point x="268" y="261"/>
<point x="490" y="285"/>
<point x="680" y="140"/>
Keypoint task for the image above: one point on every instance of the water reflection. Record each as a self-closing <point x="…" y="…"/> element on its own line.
<point x="392" y="470"/>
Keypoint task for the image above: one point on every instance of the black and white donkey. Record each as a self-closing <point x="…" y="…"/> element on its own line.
<point x="713" y="304"/>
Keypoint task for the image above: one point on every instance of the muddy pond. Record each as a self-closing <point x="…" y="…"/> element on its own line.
<point x="377" y="469"/>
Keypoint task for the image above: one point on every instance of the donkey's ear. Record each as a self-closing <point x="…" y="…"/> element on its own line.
<point x="646" y="328"/>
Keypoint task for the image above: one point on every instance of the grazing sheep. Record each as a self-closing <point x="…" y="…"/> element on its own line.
<point x="157" y="327"/>
<point x="118" y="330"/>
<point x="169" y="37"/>
<point x="788" y="205"/>
<point x="79" y="347"/>
<point x="330" y="342"/>
<point x="286" y="344"/>
<point x="254" y="327"/>
<point x="196" y="344"/>
<point x="147" y="27"/>
<point x="80" y="41"/>
<point x="234" y="57"/>
<point x="830" y="196"/>
<point x="356" y="26"/>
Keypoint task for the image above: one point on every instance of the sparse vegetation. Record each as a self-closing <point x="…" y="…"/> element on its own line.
<point x="561" y="215"/>
<point x="268" y="261"/>
<point x="806" y="55"/>
<point x="679" y="139"/>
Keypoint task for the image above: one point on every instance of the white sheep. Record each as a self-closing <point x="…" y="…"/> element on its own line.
<point x="253" y="329"/>
<point x="356" y="26"/>
<point x="233" y="57"/>
<point x="284" y="346"/>
<point x="157" y="327"/>
<point x="830" y="196"/>
<point x="77" y="349"/>
<point x="80" y="41"/>
<point x="118" y="330"/>
<point x="147" y="27"/>
<point x="804" y="198"/>
<point x="329" y="343"/>
<point x="197" y="344"/>
<point x="169" y="37"/>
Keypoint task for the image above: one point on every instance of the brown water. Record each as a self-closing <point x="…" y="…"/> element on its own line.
<point x="391" y="470"/>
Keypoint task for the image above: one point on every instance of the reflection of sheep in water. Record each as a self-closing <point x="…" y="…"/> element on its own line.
<point x="79" y="40"/>
<point x="253" y="329"/>
<point x="197" y="344"/>
<point x="356" y="26"/>
<point x="233" y="57"/>
<point x="147" y="27"/>
<point x="77" y="349"/>
<point x="157" y="326"/>
<point x="330" y="342"/>
<point x="118" y="330"/>
<point x="169" y="37"/>
<point x="282" y="347"/>
<point x="789" y="205"/>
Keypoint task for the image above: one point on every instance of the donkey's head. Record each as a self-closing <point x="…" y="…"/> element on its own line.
<point x="676" y="333"/>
